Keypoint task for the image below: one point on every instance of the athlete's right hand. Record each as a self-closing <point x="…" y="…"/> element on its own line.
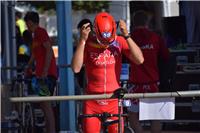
<point x="85" y="30"/>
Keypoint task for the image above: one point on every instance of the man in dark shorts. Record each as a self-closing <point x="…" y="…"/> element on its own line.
<point x="45" y="65"/>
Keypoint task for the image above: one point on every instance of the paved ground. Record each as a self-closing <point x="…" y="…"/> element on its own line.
<point x="177" y="128"/>
<point x="177" y="131"/>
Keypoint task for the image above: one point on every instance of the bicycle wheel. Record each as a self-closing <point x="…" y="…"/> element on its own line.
<point x="28" y="119"/>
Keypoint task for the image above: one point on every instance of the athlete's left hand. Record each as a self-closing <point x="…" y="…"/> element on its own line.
<point x="123" y="28"/>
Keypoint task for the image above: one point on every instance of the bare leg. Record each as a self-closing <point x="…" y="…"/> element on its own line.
<point x="155" y="127"/>
<point x="49" y="117"/>
<point x="134" y="122"/>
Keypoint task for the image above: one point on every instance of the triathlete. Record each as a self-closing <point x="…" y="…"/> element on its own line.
<point x="102" y="56"/>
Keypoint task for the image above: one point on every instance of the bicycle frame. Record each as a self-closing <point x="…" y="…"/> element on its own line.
<point x="103" y="118"/>
<point x="119" y="93"/>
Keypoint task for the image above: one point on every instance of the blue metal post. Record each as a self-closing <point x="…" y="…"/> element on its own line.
<point x="66" y="77"/>
<point x="6" y="55"/>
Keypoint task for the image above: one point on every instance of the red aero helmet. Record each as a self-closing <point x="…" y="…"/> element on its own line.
<point x="105" y="28"/>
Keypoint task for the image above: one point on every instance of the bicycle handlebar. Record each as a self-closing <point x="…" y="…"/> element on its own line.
<point x="21" y="79"/>
<point x="102" y="115"/>
<point x="13" y="67"/>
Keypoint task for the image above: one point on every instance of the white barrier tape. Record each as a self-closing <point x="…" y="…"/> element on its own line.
<point x="195" y="93"/>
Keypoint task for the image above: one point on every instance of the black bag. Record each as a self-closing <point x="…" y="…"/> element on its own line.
<point x="167" y="72"/>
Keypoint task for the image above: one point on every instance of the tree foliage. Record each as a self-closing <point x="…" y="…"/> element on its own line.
<point x="88" y="6"/>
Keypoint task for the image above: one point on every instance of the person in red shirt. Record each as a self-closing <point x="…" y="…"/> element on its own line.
<point x="144" y="78"/>
<point x="45" y="65"/>
<point x="101" y="54"/>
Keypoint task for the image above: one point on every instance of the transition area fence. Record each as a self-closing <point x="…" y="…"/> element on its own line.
<point x="194" y="93"/>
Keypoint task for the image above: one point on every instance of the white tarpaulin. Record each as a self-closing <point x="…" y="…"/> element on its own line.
<point x="157" y="109"/>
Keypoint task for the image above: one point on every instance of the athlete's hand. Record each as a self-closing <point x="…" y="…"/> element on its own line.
<point x="85" y="30"/>
<point x="123" y="28"/>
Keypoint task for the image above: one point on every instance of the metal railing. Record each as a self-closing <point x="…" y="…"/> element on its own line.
<point x="195" y="93"/>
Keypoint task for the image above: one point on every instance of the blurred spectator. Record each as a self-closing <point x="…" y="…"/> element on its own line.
<point x="190" y="9"/>
<point x="82" y="22"/>
<point x="19" y="39"/>
<point x="20" y="22"/>
<point x="144" y="78"/>
<point x="24" y="49"/>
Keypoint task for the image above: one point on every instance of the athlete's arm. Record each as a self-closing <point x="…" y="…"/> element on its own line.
<point x="137" y="56"/>
<point x="31" y="60"/>
<point x="77" y="60"/>
<point x="28" y="68"/>
<point x="48" y="57"/>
